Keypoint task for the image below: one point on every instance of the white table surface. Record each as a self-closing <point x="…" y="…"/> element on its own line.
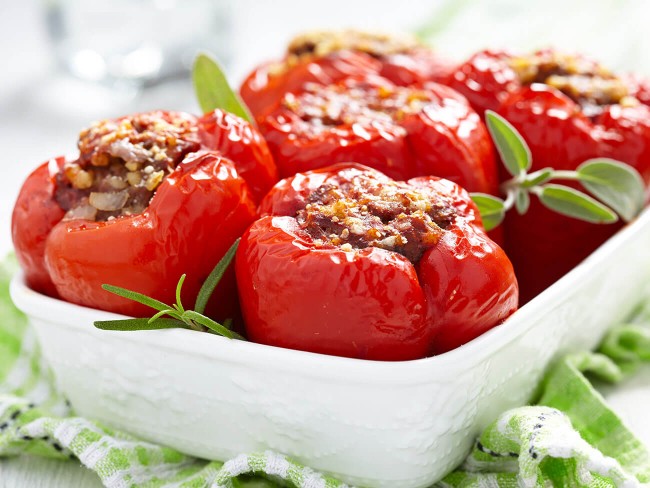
<point x="41" y="113"/>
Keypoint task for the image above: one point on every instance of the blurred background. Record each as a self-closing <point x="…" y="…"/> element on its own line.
<point x="69" y="62"/>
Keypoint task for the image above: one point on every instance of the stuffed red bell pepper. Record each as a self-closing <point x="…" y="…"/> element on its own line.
<point x="243" y="144"/>
<point x="141" y="205"/>
<point x="402" y="131"/>
<point x="326" y="57"/>
<point x="349" y="262"/>
<point x="568" y="109"/>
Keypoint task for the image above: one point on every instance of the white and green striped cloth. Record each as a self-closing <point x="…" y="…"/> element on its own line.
<point x="572" y="438"/>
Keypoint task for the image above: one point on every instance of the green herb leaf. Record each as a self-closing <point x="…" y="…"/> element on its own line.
<point x="213" y="279"/>
<point x="207" y="322"/>
<point x="188" y="319"/>
<point x="139" y="324"/>
<point x="179" y="288"/>
<point x="137" y="297"/>
<point x="538" y="178"/>
<point x="212" y="88"/>
<point x="522" y="201"/>
<point x="173" y="313"/>
<point x="617" y="184"/>
<point x="492" y="209"/>
<point x="512" y="148"/>
<point x="573" y="203"/>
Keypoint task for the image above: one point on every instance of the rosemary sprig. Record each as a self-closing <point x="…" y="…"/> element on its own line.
<point x="176" y="316"/>
<point x="617" y="187"/>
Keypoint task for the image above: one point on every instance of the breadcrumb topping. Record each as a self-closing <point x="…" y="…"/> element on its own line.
<point x="320" y="43"/>
<point x="323" y="42"/>
<point x="121" y="164"/>
<point x="355" y="102"/>
<point x="367" y="212"/>
<point x="584" y="81"/>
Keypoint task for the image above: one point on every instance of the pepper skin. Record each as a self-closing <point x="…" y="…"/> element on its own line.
<point x="194" y="217"/>
<point x="402" y="131"/>
<point x="35" y="214"/>
<point x="242" y="143"/>
<point x="370" y="303"/>
<point x="563" y="128"/>
<point x="330" y="56"/>
<point x="202" y="200"/>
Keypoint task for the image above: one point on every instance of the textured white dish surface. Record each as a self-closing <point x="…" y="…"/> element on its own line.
<point x="369" y="423"/>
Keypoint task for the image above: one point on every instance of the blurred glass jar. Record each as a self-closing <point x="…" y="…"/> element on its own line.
<point x="139" y="42"/>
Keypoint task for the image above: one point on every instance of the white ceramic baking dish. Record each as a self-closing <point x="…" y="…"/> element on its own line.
<point x="369" y="423"/>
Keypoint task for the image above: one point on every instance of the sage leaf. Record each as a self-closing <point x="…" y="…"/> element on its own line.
<point x="139" y="324"/>
<point x="522" y="201"/>
<point x="492" y="209"/>
<point x="573" y="203"/>
<point x="538" y="178"/>
<point x="212" y="89"/>
<point x="512" y="148"/>
<point x="616" y="184"/>
<point x="213" y="278"/>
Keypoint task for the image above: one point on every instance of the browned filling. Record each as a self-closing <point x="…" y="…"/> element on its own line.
<point x="121" y="164"/>
<point x="364" y="212"/>
<point x="346" y="104"/>
<point x="317" y="44"/>
<point x="587" y="83"/>
<point x="377" y="44"/>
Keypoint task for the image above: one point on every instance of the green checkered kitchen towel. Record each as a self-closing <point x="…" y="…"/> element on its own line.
<point x="572" y="438"/>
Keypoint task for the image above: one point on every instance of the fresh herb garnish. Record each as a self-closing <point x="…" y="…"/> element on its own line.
<point x="512" y="148"/>
<point x="177" y="316"/>
<point x="212" y="88"/>
<point x="492" y="209"/>
<point x="573" y="203"/>
<point x="617" y="187"/>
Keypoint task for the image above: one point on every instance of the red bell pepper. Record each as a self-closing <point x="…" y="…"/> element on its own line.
<point x="243" y="144"/>
<point x="402" y="131"/>
<point x="346" y="261"/>
<point x="568" y="109"/>
<point x="328" y="57"/>
<point x="35" y="214"/>
<point x="141" y="205"/>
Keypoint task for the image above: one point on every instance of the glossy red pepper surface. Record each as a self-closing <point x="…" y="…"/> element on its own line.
<point x="194" y="217"/>
<point x="542" y="244"/>
<point x="369" y="303"/>
<point x="35" y="214"/>
<point x="195" y="214"/>
<point x="242" y="143"/>
<point x="328" y="57"/>
<point x="402" y="131"/>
